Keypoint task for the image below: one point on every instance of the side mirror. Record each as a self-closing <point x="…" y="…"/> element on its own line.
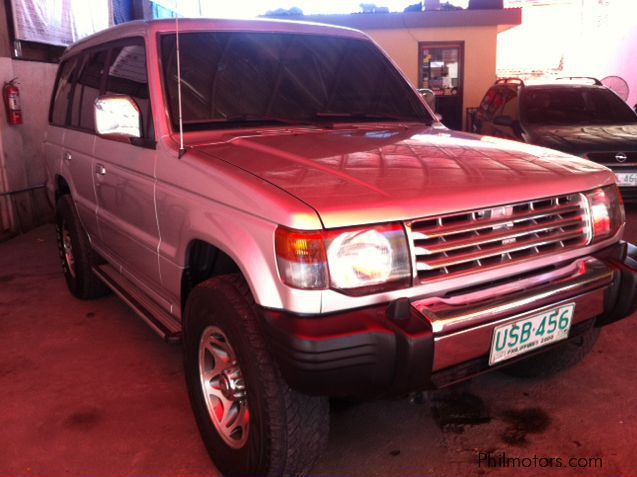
<point x="117" y="116"/>
<point x="430" y="97"/>
<point x="503" y="121"/>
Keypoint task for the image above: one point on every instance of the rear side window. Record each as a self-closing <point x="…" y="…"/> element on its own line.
<point x="63" y="92"/>
<point x="492" y="101"/>
<point x="488" y="99"/>
<point x="496" y="104"/>
<point x="87" y="89"/>
<point x="510" y="106"/>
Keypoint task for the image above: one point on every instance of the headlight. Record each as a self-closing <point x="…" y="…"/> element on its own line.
<point x="606" y="212"/>
<point x="363" y="258"/>
<point x="359" y="260"/>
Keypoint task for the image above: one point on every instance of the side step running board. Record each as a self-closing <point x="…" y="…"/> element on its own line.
<point x="161" y="322"/>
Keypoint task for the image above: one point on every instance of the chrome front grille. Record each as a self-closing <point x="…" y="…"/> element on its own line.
<point x="485" y="238"/>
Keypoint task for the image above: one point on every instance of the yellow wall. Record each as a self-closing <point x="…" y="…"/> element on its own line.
<point x="480" y="45"/>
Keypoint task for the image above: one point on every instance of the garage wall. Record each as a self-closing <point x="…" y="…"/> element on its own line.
<point x="4" y="38"/>
<point x="626" y="47"/>
<point x="584" y="38"/>
<point x="480" y="44"/>
<point x="607" y="44"/>
<point x="21" y="165"/>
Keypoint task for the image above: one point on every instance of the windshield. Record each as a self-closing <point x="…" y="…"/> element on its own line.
<point x="230" y="78"/>
<point x="574" y="105"/>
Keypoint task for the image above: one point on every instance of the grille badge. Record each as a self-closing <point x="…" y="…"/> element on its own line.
<point x="503" y="213"/>
<point x="621" y="157"/>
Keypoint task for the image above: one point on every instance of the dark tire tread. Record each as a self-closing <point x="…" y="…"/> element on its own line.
<point x="298" y="424"/>
<point x="85" y="285"/>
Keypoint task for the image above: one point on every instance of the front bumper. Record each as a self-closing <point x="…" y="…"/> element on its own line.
<point x="433" y="342"/>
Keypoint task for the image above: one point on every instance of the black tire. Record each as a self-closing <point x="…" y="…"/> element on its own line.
<point x="81" y="281"/>
<point x="287" y="430"/>
<point x="555" y="360"/>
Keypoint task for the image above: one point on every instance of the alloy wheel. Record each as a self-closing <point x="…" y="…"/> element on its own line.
<point x="223" y="387"/>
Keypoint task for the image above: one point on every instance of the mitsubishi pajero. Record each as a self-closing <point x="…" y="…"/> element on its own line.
<point x="319" y="233"/>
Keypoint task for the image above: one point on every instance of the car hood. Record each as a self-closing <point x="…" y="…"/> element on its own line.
<point x="579" y="140"/>
<point x="377" y="174"/>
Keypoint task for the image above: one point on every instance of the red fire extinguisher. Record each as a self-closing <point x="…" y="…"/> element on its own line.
<point x="11" y="96"/>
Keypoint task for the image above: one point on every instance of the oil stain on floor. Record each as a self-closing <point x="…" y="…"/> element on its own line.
<point x="454" y="410"/>
<point x="521" y="422"/>
<point x="83" y="420"/>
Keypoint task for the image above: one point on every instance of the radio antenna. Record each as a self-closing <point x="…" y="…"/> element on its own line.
<point x="182" y="149"/>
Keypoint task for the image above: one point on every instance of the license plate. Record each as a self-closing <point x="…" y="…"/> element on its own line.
<point x="626" y="179"/>
<point x="528" y="334"/>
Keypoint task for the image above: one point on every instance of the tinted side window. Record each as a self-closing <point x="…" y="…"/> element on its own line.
<point x="62" y="93"/>
<point x="510" y="106"/>
<point x="496" y="103"/>
<point x="576" y="104"/>
<point x="127" y="75"/>
<point x="493" y="101"/>
<point x="488" y="99"/>
<point x="87" y="89"/>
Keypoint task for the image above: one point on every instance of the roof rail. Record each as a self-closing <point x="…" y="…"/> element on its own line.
<point x="510" y="80"/>
<point x="594" y="81"/>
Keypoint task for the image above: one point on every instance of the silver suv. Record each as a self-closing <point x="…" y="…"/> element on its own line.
<point x="319" y="234"/>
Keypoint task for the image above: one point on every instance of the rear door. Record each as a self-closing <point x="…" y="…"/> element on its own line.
<point x="70" y="146"/>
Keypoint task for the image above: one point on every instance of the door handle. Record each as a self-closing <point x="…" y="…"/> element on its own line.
<point x="100" y="169"/>
<point x="67" y="156"/>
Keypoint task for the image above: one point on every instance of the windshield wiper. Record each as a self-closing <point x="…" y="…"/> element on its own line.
<point x="270" y="119"/>
<point x="320" y="119"/>
<point x="247" y="119"/>
<point x="371" y="117"/>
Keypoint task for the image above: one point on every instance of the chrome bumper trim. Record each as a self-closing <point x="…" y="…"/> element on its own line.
<point x="463" y="325"/>
<point x="451" y="314"/>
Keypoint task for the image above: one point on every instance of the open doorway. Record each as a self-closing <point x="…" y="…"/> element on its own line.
<point x="441" y="69"/>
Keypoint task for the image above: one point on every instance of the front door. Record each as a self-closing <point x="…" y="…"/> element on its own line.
<point x="125" y="179"/>
<point x="442" y="71"/>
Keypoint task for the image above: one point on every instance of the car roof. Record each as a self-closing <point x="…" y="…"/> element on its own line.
<point x="563" y="85"/>
<point x="559" y="83"/>
<point x="149" y="27"/>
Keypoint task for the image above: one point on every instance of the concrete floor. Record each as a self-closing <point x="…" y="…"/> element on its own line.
<point x="88" y="389"/>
